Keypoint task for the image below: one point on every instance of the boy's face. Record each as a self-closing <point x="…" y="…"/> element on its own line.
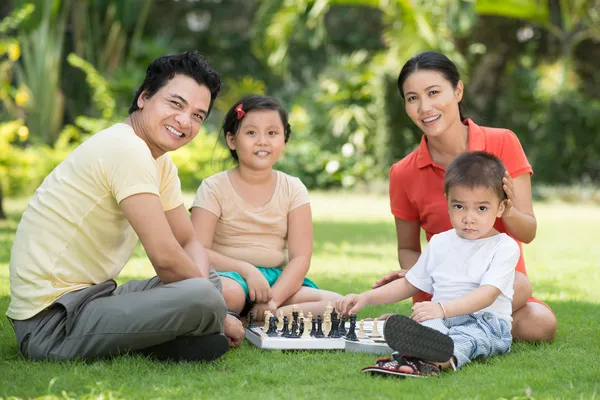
<point x="473" y="211"/>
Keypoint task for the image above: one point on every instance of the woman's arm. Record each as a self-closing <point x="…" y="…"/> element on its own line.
<point x="519" y="217"/>
<point x="300" y="245"/>
<point x="409" y="249"/>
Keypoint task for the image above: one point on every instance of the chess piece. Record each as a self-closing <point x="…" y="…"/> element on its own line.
<point x="272" y="331"/>
<point x="301" y="329"/>
<point x="268" y="316"/>
<point x="250" y="319"/>
<point x="301" y="316"/>
<point x="313" y="331"/>
<point x="309" y="317"/>
<point x="328" y="310"/>
<point x="361" y="330"/>
<point x="319" y="333"/>
<point x="335" y="328"/>
<point x="294" y="331"/>
<point x="295" y="316"/>
<point x="375" y="332"/>
<point x="280" y="320"/>
<point x="305" y="328"/>
<point x="286" y="330"/>
<point x="334" y="315"/>
<point x="351" y="335"/>
<point x="327" y="324"/>
<point x="342" y="327"/>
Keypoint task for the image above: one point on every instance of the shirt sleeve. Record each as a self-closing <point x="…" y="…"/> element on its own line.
<point x="513" y="155"/>
<point x="299" y="194"/>
<point x="170" y="185"/>
<point x="419" y="275"/>
<point x="130" y="170"/>
<point x="209" y="197"/>
<point x="501" y="272"/>
<point x="402" y="207"/>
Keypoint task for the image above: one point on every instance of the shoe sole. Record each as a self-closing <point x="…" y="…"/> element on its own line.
<point x="383" y="371"/>
<point x="410" y="338"/>
<point x="189" y="348"/>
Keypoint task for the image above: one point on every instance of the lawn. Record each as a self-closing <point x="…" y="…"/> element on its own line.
<point x="354" y="245"/>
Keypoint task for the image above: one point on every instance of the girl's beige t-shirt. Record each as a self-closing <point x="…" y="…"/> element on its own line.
<point x="257" y="235"/>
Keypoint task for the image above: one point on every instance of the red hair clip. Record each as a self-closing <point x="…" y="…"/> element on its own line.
<point x="240" y="111"/>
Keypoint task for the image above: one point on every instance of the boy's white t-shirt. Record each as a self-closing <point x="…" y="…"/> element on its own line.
<point x="451" y="266"/>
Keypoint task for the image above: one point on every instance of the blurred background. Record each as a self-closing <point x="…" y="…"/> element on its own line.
<point x="69" y="68"/>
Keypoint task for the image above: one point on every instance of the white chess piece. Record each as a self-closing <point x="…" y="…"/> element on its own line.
<point x="267" y="316"/>
<point x="327" y="324"/>
<point x="375" y="332"/>
<point x="280" y="322"/>
<point x="307" y="326"/>
<point x="361" y="330"/>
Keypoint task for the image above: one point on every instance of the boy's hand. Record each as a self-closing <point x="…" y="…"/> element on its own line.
<point x="351" y="304"/>
<point x="426" y="310"/>
<point x="260" y="309"/>
<point x="391" y="276"/>
<point x="259" y="290"/>
<point x="234" y="330"/>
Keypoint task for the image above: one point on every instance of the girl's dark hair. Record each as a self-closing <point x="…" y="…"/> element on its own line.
<point x="252" y="102"/>
<point x="476" y="168"/>
<point x="435" y="62"/>
<point x="164" y="68"/>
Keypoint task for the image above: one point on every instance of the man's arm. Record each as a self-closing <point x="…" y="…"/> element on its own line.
<point x="182" y="228"/>
<point x="170" y="261"/>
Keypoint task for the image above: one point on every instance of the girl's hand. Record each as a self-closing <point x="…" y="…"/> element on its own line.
<point x="509" y="189"/>
<point x="259" y="290"/>
<point x="426" y="310"/>
<point x="391" y="276"/>
<point x="350" y="304"/>
<point x="260" y="309"/>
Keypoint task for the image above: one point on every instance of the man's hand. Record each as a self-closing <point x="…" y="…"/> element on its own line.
<point x="426" y="310"/>
<point x="392" y="276"/>
<point x="259" y="290"/>
<point x="234" y="330"/>
<point x="351" y="304"/>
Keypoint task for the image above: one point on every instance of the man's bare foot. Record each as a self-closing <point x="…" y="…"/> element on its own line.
<point x="234" y="330"/>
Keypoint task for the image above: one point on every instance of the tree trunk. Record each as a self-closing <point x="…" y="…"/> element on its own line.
<point x="2" y="213"/>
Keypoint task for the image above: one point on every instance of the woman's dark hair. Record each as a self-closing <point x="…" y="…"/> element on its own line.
<point x="435" y="62"/>
<point x="164" y="68"/>
<point x="231" y="123"/>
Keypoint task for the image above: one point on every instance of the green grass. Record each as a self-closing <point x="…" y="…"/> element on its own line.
<point x="354" y="244"/>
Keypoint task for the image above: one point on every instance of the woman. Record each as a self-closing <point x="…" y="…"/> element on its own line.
<point x="430" y="85"/>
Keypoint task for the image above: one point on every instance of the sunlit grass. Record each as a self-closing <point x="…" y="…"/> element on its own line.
<point x="354" y="244"/>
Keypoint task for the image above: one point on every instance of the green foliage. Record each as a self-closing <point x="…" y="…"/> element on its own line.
<point x="203" y="157"/>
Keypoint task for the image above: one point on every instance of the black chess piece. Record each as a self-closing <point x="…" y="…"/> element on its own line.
<point x="250" y="319"/>
<point x="319" y="333"/>
<point x="301" y="329"/>
<point x="294" y="331"/>
<point x="351" y="335"/>
<point x="342" y="326"/>
<point x="295" y="316"/>
<point x="272" y="327"/>
<point x="334" y="315"/>
<point x="313" y="331"/>
<point x="335" y="332"/>
<point x="332" y="328"/>
<point x="286" y="330"/>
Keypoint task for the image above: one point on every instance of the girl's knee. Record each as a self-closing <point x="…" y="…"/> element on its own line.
<point x="234" y="295"/>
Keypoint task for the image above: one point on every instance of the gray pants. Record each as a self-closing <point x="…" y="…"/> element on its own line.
<point x="105" y="320"/>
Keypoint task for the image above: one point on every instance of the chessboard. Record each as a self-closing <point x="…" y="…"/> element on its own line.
<point x="328" y="333"/>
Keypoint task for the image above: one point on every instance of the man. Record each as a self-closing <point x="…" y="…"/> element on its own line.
<point x="83" y="223"/>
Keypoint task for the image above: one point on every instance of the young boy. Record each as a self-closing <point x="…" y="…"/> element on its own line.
<point x="470" y="272"/>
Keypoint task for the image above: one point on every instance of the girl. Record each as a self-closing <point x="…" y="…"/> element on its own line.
<point x="254" y="221"/>
<point x="432" y="91"/>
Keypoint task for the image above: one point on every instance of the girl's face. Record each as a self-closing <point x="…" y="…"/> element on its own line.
<point x="431" y="101"/>
<point x="260" y="139"/>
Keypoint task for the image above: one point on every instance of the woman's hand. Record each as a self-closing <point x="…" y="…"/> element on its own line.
<point x="509" y="189"/>
<point x="391" y="276"/>
<point x="259" y="290"/>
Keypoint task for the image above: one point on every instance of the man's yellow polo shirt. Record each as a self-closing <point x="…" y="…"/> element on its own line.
<point x="73" y="233"/>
